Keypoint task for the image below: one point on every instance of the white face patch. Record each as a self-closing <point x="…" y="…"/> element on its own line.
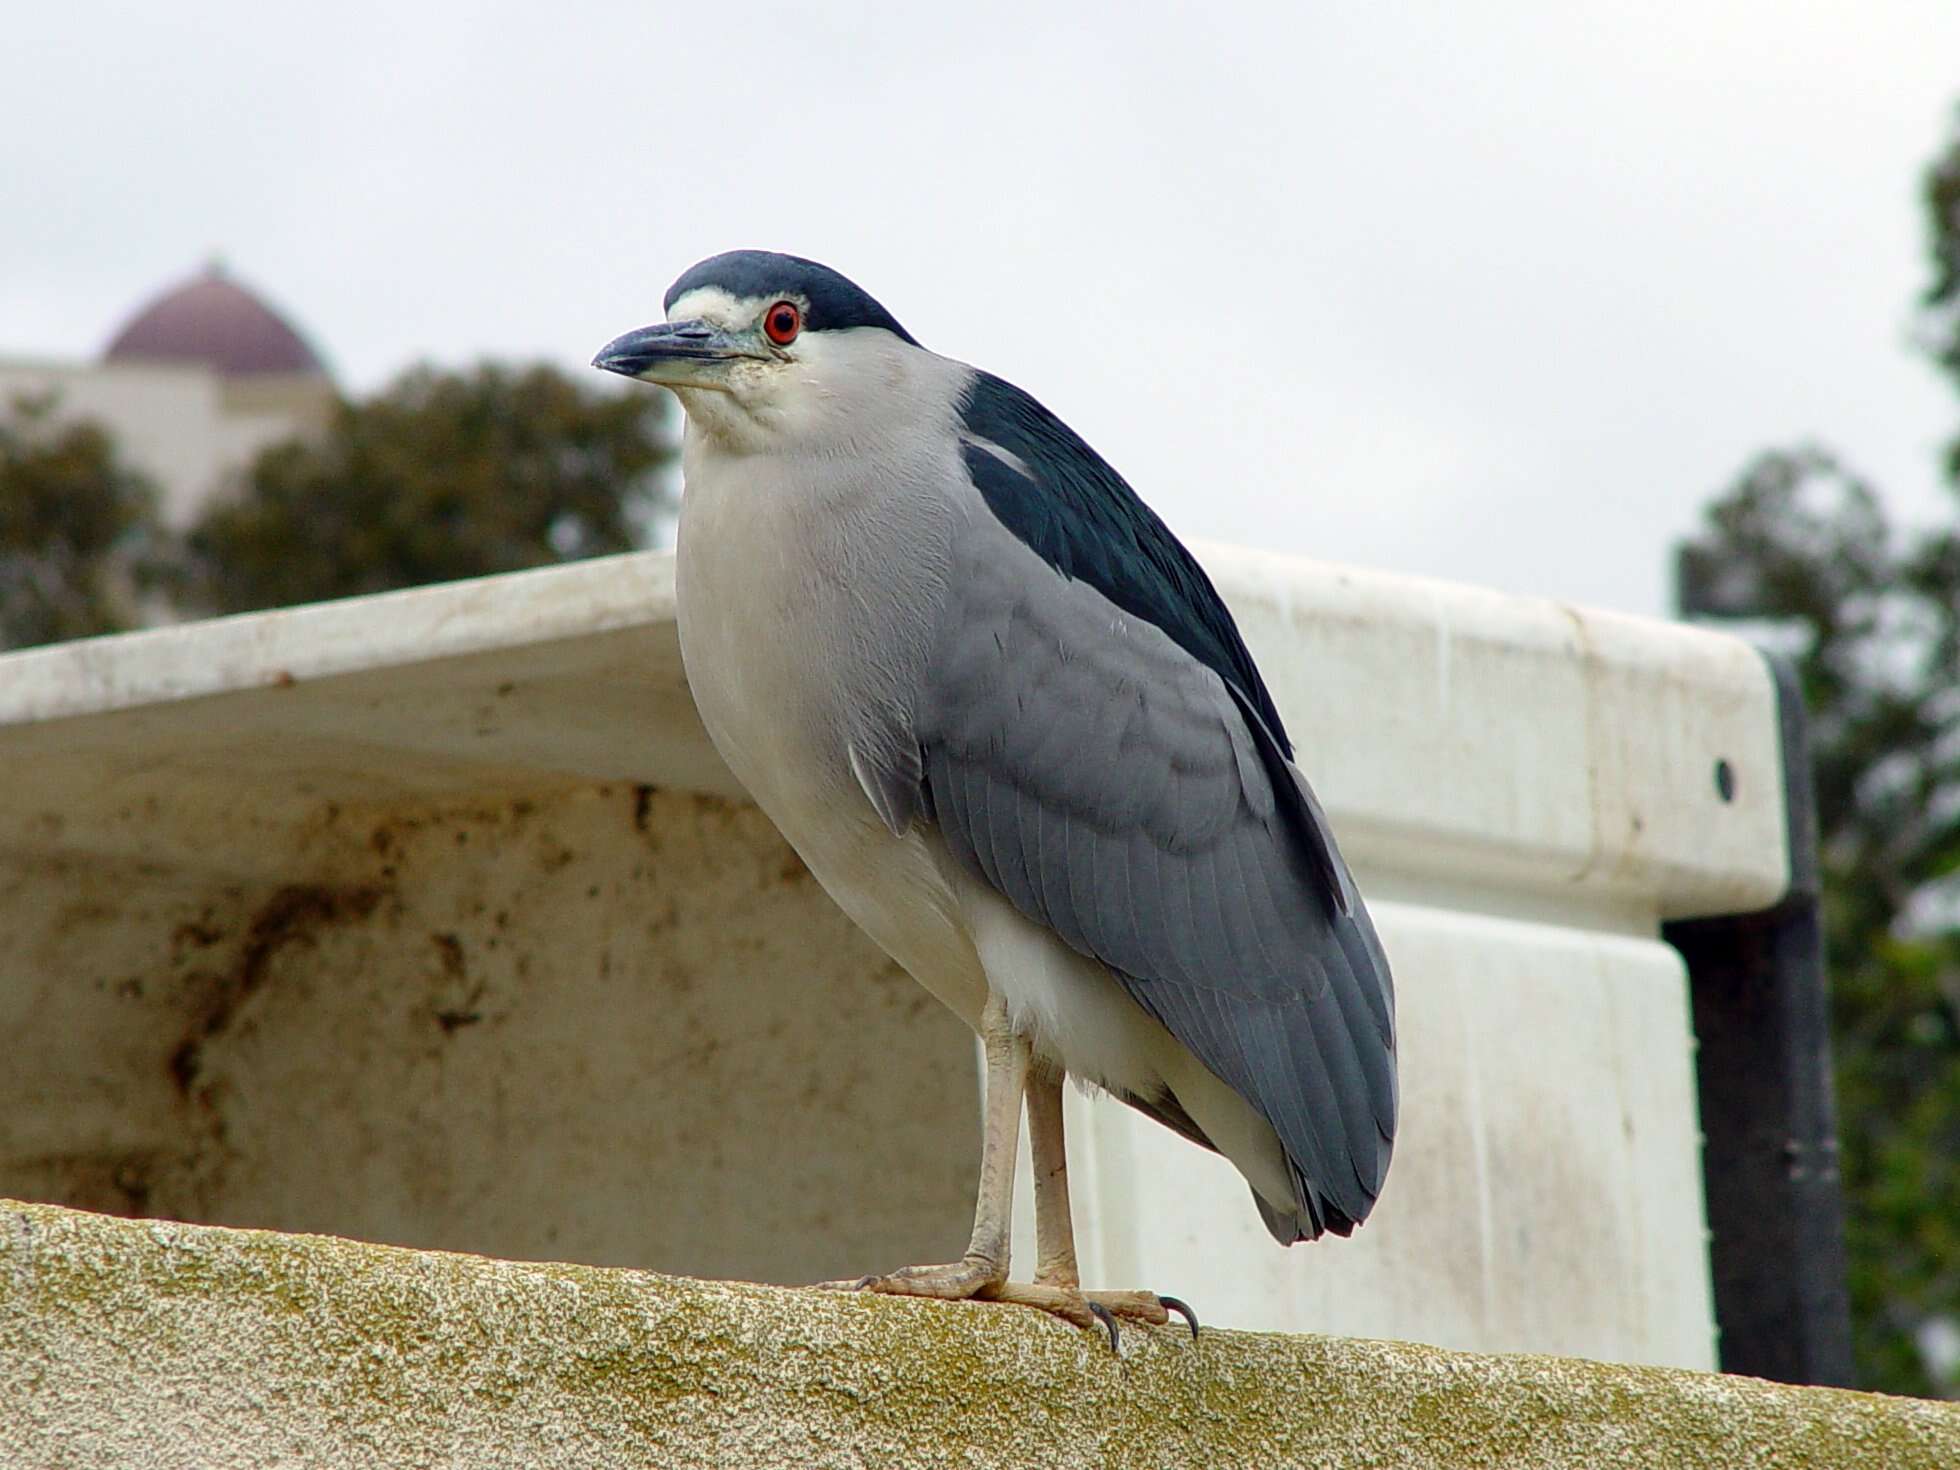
<point x="717" y="308"/>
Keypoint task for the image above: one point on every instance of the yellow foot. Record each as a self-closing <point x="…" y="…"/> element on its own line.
<point x="1089" y="1308"/>
<point x="979" y="1280"/>
<point x="957" y="1281"/>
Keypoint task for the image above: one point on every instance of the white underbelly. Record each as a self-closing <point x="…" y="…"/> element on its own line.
<point x="775" y="704"/>
<point x="756" y="700"/>
<point x="897" y="890"/>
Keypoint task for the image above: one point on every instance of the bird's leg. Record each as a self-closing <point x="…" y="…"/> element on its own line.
<point x="1057" y="1286"/>
<point x="982" y="1271"/>
<point x="984" y="1265"/>
<point x="1054" y="1223"/>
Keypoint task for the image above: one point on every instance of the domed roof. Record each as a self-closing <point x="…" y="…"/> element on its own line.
<point x="213" y="320"/>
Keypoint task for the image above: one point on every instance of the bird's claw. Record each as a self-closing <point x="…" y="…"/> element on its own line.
<point x="1108" y="1319"/>
<point x="1183" y="1310"/>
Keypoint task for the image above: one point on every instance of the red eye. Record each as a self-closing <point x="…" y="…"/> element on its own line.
<point x="782" y="322"/>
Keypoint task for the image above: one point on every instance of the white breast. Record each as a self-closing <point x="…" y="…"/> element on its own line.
<point x="805" y="592"/>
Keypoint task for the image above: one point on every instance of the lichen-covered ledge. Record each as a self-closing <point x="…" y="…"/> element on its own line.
<point x="144" y="1343"/>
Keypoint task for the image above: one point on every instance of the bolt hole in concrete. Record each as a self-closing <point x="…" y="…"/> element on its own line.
<point x="1725" y="780"/>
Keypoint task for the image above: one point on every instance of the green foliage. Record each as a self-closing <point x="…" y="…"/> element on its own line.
<point x="440" y="476"/>
<point x="1942" y="303"/>
<point x="1874" y="616"/>
<point x="77" y="527"/>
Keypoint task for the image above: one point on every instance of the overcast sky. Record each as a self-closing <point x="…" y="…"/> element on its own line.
<point x="1499" y="292"/>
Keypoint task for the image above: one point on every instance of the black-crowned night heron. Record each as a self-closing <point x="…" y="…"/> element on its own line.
<point x="1005" y="718"/>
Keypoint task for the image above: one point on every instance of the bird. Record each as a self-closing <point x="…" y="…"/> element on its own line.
<point x="1007" y="721"/>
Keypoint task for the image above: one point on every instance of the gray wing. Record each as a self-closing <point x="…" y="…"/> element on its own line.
<point x="1116" y="789"/>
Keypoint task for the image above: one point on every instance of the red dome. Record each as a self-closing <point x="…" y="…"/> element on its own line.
<point x="213" y="320"/>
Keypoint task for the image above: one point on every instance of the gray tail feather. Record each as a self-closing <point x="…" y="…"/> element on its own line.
<point x="1288" y="1227"/>
<point x="1299" y="1221"/>
<point x="1303" y="1221"/>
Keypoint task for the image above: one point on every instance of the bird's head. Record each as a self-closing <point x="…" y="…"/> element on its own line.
<point x="768" y="349"/>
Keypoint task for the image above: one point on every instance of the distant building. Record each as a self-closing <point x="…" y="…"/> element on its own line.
<point x="193" y="385"/>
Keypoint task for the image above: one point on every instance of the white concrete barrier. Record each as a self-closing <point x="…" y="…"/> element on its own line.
<point x="433" y="918"/>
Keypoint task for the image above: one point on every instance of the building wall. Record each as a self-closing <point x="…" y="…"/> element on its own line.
<point x="182" y="425"/>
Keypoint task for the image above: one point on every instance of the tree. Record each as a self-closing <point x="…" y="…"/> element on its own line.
<point x="439" y="476"/>
<point x="1873" y="617"/>
<point x="78" y="527"/>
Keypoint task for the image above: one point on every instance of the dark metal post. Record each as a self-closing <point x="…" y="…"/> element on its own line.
<point x="1769" y="1157"/>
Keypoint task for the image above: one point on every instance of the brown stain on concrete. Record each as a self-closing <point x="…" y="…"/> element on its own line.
<point x="292" y="915"/>
<point x="456" y="979"/>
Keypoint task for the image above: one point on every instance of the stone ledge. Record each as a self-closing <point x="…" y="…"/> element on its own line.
<point x="137" y="1342"/>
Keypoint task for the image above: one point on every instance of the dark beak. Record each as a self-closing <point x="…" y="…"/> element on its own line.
<point x="679" y="354"/>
